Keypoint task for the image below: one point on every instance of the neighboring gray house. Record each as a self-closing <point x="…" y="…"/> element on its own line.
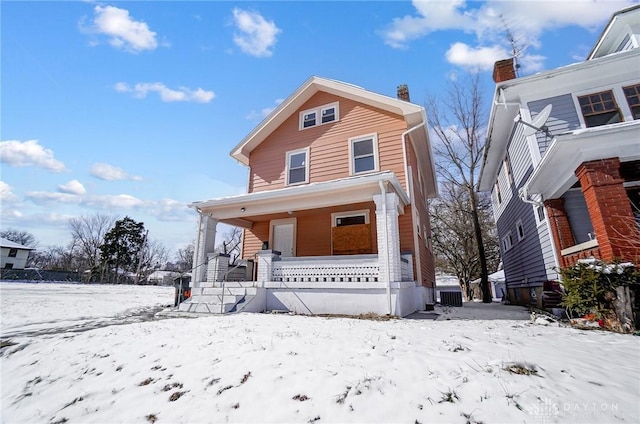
<point x="562" y="160"/>
<point x="14" y="255"/>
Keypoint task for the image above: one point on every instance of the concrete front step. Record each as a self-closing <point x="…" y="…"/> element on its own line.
<point x="206" y="308"/>
<point x="228" y="291"/>
<point x="215" y="299"/>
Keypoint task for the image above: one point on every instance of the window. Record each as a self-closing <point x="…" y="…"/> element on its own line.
<point x="13" y="253"/>
<point x="308" y="120"/>
<point x="539" y="212"/>
<point x="497" y="193"/>
<point x="632" y="93"/>
<point x="364" y="154"/>
<point x="297" y="169"/>
<point x="599" y="109"/>
<point x="319" y="115"/>
<point x="507" y="169"/>
<point x="507" y="242"/>
<point x="8" y="266"/>
<point x="520" y="230"/>
<point x="343" y="219"/>
<point x="328" y="114"/>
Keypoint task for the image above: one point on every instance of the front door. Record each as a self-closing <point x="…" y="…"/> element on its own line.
<point x="283" y="236"/>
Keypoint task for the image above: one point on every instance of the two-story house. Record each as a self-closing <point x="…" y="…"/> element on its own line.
<point x="562" y="161"/>
<point x="14" y="255"/>
<point x="335" y="219"/>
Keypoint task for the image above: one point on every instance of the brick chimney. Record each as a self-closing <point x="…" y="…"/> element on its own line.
<point x="503" y="70"/>
<point x="403" y="92"/>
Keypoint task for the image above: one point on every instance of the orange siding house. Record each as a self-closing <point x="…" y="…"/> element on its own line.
<point x="335" y="219"/>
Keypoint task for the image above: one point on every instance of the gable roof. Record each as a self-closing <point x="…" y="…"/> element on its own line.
<point x="13" y="245"/>
<point x="621" y="23"/>
<point x="412" y="113"/>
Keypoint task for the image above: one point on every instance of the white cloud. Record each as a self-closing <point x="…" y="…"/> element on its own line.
<point x="122" y="30"/>
<point x="116" y="201"/>
<point x="263" y="112"/>
<point x="526" y="21"/>
<point x="477" y="58"/>
<point x="72" y="187"/>
<point x="107" y="172"/>
<point x="182" y="94"/>
<point x="42" y="197"/>
<point x="256" y="35"/>
<point x="6" y="195"/>
<point x="29" y="153"/>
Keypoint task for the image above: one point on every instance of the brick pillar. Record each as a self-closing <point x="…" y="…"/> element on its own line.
<point x="609" y="209"/>
<point x="388" y="231"/>
<point x="560" y="227"/>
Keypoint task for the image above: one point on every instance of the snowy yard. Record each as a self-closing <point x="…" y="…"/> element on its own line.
<point x="95" y="354"/>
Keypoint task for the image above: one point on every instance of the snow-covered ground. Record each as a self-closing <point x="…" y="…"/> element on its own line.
<point x="94" y="354"/>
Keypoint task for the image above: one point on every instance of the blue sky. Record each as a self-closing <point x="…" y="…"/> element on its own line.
<point x="131" y="108"/>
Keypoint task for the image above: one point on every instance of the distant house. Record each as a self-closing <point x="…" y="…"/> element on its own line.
<point x="14" y="255"/>
<point x="335" y="219"/>
<point x="562" y="161"/>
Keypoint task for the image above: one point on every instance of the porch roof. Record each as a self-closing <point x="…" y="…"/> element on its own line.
<point x="555" y="173"/>
<point x="235" y="209"/>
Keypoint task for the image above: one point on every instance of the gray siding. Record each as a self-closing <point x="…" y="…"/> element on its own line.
<point x="563" y="117"/>
<point x="576" y="207"/>
<point x="531" y="260"/>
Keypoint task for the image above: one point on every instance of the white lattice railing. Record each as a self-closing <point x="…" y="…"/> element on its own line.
<point x="353" y="268"/>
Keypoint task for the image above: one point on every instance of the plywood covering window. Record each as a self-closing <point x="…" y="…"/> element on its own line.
<point x="298" y="167"/>
<point x="351" y="233"/>
<point x="632" y="94"/>
<point x="599" y="109"/>
<point x="364" y="154"/>
<point x="319" y="115"/>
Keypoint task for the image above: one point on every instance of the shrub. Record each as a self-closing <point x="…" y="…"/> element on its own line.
<point x="590" y="286"/>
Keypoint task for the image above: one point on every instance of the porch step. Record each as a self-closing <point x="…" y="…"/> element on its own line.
<point x="211" y="301"/>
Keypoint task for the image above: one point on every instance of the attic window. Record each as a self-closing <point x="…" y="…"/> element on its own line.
<point x="599" y="109"/>
<point x="632" y="93"/>
<point x="13" y="253"/>
<point x="320" y="115"/>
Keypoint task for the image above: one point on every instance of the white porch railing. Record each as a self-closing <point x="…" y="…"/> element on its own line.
<point x="348" y="268"/>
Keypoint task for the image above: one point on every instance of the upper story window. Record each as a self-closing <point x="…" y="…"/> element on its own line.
<point x="319" y="115"/>
<point x="364" y="154"/>
<point x="507" y="169"/>
<point x="507" y="242"/>
<point x="520" y="230"/>
<point x="632" y="93"/>
<point x="599" y="109"/>
<point x="298" y="166"/>
<point x="497" y="192"/>
<point x="13" y="253"/>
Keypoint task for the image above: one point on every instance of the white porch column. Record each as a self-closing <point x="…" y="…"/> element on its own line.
<point x="388" y="237"/>
<point x="217" y="268"/>
<point x="205" y="244"/>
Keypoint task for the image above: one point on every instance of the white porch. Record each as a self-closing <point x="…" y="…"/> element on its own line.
<point x="381" y="283"/>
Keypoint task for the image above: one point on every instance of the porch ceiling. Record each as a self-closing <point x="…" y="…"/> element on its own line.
<point x="238" y="209"/>
<point x="555" y="174"/>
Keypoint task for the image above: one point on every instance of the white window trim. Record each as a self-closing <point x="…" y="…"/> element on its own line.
<point x="360" y="212"/>
<point x="520" y="225"/>
<point x="306" y="168"/>
<point x="376" y="163"/>
<point x="507" y="242"/>
<point x="318" y="111"/>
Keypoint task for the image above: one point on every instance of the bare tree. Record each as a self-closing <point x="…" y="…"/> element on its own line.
<point x="458" y="121"/>
<point x="153" y="256"/>
<point x="230" y="245"/>
<point x="184" y="258"/>
<point x="87" y="235"/>
<point x="24" y="238"/>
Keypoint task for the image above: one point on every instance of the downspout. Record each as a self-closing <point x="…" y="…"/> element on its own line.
<point x="524" y="196"/>
<point x="385" y="235"/>
<point x="404" y="155"/>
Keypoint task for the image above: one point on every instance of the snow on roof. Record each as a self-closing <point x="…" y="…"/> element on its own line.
<point x="13" y="245"/>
